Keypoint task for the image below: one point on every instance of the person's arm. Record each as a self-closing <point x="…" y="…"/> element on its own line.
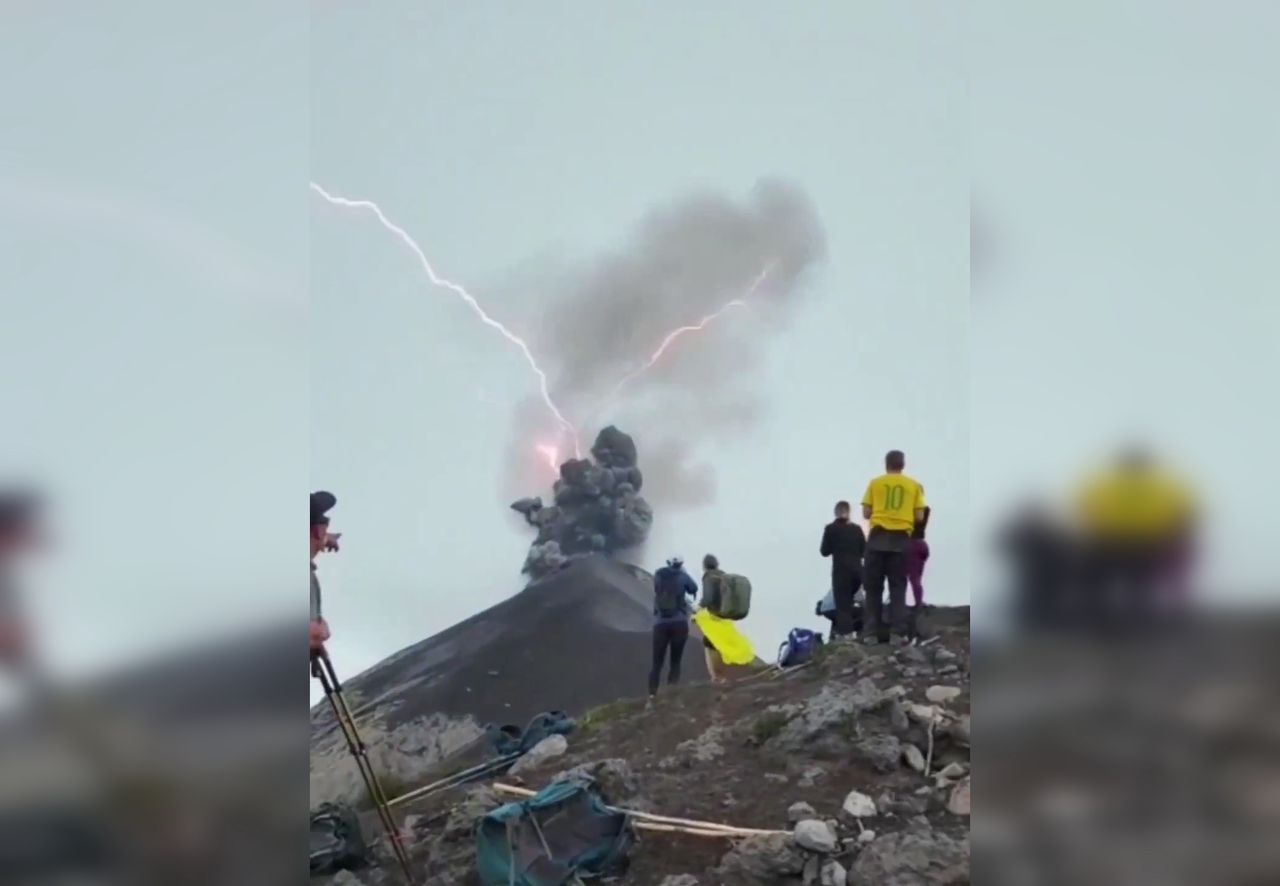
<point x="690" y="586"/>
<point x="825" y="550"/>
<point x="920" y="504"/>
<point x="866" y="503"/>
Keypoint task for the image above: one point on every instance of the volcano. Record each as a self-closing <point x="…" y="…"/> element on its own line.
<point x="571" y="641"/>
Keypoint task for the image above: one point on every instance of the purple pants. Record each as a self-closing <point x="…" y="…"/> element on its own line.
<point x="917" y="554"/>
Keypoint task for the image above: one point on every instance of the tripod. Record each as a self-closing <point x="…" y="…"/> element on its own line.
<point x="322" y="670"/>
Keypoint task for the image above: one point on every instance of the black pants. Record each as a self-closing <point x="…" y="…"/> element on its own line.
<point x="670" y="635"/>
<point x="886" y="559"/>
<point x="844" y="587"/>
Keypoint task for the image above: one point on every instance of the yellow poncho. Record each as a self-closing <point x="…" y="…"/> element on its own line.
<point x="723" y="635"/>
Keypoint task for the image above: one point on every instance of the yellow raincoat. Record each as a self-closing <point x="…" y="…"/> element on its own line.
<point x="734" y="648"/>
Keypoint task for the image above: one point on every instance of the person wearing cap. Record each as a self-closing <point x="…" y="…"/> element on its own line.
<point x="671" y="586"/>
<point x="712" y="575"/>
<point x="321" y="540"/>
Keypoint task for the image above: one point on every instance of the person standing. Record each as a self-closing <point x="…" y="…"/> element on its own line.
<point x="844" y="543"/>
<point x="321" y="540"/>
<point x="893" y="504"/>
<point x="712" y="575"/>
<point x="671" y="586"/>
<point x="917" y="555"/>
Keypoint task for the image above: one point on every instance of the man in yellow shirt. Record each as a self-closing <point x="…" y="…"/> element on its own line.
<point x="893" y="504"/>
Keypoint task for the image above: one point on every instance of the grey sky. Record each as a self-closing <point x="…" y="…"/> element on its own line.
<point x="511" y="137"/>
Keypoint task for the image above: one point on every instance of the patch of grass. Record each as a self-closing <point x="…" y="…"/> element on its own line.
<point x="593" y="720"/>
<point x="767" y="726"/>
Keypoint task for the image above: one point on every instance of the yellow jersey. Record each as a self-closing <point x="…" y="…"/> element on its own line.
<point x="894" y="500"/>
<point x="1145" y="505"/>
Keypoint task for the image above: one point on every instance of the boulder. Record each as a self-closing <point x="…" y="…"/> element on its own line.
<point x="680" y="880"/>
<point x="549" y="748"/>
<point x="858" y="805"/>
<point x="821" y="725"/>
<point x="761" y="861"/>
<point x="798" y="812"/>
<point x="942" y="694"/>
<point x="882" y="752"/>
<point x="614" y="776"/>
<point x="913" y="859"/>
<point x="833" y="874"/>
<point x="816" y="836"/>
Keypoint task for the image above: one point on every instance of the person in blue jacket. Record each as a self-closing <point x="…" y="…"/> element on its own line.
<point x="672" y="587"/>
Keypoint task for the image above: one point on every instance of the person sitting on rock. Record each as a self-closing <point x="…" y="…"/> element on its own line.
<point x="712" y="575"/>
<point x="827" y="609"/>
<point x="671" y="585"/>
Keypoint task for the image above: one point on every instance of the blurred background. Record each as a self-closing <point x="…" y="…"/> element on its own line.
<point x="1122" y="333"/>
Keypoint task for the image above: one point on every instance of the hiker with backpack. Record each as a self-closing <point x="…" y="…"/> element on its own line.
<point x="893" y="503"/>
<point x="671" y="586"/>
<point x="844" y="543"/>
<point x="727" y="597"/>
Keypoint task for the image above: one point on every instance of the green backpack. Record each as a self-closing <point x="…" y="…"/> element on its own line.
<point x="735" y="597"/>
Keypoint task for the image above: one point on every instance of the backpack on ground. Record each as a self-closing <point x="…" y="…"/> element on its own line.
<point x="801" y="644"/>
<point x="564" y="834"/>
<point x="336" y="841"/>
<point x="735" y="597"/>
<point x="669" y="594"/>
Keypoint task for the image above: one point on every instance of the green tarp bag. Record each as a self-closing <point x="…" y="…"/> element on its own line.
<point x="735" y="597"/>
<point x="565" y="831"/>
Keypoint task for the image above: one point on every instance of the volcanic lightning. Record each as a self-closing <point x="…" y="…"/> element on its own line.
<point x="683" y="330"/>
<point x="461" y="292"/>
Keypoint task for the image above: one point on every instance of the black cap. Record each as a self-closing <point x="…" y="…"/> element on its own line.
<point x="321" y="502"/>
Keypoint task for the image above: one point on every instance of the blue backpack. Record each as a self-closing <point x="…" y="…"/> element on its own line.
<point x="799" y="648"/>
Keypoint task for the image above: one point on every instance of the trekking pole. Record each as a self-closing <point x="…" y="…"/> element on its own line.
<point x="322" y="670"/>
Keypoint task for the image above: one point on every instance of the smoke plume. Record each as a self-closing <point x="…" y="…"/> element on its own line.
<point x="603" y="321"/>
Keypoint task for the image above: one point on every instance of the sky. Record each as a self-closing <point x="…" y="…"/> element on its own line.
<point x="506" y="137"/>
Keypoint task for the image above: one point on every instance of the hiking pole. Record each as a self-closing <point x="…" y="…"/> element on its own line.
<point x="322" y="670"/>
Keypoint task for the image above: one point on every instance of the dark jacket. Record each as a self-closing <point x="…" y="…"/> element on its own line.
<point x="687" y="584"/>
<point x="844" y="543"/>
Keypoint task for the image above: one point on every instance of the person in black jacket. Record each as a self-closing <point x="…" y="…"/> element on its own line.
<point x="844" y="542"/>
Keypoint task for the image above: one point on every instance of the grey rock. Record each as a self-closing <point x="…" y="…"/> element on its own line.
<point x="346" y="878"/>
<point x="866" y="836"/>
<point x="704" y="749"/>
<point x="812" y="870"/>
<point x="833" y="874"/>
<point x="549" y="748"/>
<point x="942" y="694"/>
<point x="821" y="726"/>
<point x="948" y="669"/>
<point x="959" y="730"/>
<point x="679" y="880"/>
<point x="798" y="812"/>
<point x="858" y="805"/>
<point x="614" y="776"/>
<point x="952" y="771"/>
<point x="912" y="859"/>
<point x="959" y="801"/>
<point x="816" y="836"/>
<point x="761" y="861"/>
<point x="811" y="776"/>
<point x="913" y="654"/>
<point x="943" y="654"/>
<point x="906" y="806"/>
<point x="913" y="757"/>
<point x="882" y="752"/>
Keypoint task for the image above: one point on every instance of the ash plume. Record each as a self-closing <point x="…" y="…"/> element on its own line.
<point x="684" y="262"/>
<point x="597" y="507"/>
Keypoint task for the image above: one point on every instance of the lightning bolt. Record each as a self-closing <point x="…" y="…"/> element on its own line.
<point x="461" y="292"/>
<point x="684" y="330"/>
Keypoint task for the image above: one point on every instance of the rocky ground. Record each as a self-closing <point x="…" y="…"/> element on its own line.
<point x="863" y="756"/>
